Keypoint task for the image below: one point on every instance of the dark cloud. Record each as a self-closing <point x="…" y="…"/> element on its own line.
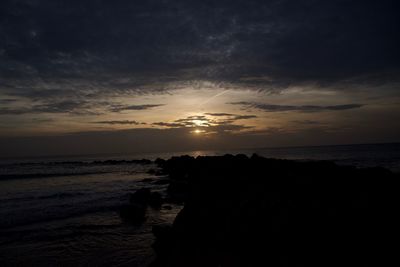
<point x="228" y="128"/>
<point x="119" y="107"/>
<point x="6" y="101"/>
<point x="219" y="114"/>
<point x="120" y="122"/>
<point x="307" y="122"/>
<point x="243" y="117"/>
<point x="305" y="108"/>
<point x="130" y="47"/>
<point x="43" y="120"/>
<point x="228" y="118"/>
<point x="13" y="111"/>
<point x="232" y="116"/>
<point x="74" y="106"/>
<point x="170" y="124"/>
<point x="67" y="106"/>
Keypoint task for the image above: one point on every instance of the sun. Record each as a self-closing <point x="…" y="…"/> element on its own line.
<point x="198" y="131"/>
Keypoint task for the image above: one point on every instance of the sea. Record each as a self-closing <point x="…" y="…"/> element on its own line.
<point x="63" y="211"/>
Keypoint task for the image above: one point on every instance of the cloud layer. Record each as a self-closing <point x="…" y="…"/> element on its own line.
<point x="78" y="49"/>
<point x="305" y="108"/>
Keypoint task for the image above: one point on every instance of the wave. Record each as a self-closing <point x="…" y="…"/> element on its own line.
<point x="51" y="196"/>
<point x="61" y="215"/>
<point x="45" y="175"/>
<point x="81" y="163"/>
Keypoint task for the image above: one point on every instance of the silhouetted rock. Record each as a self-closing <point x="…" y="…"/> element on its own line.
<point x="162" y="231"/>
<point x="160" y="162"/>
<point x="162" y="182"/>
<point x="133" y="213"/>
<point x="155" y="200"/>
<point x="242" y="211"/>
<point x="140" y="197"/>
<point x="147" y="180"/>
<point x="164" y="237"/>
<point x="177" y="191"/>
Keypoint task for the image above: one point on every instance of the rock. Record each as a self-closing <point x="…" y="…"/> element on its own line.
<point x="164" y="236"/>
<point x="140" y="197"/>
<point x="152" y="171"/>
<point x="155" y="200"/>
<point x="160" y="162"/>
<point x="161" y="182"/>
<point x="133" y="213"/>
<point x="147" y="180"/>
<point x="177" y="191"/>
<point x="162" y="231"/>
<point x="242" y="211"/>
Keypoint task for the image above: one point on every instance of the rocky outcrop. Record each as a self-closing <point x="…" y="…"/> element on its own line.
<point x="135" y="211"/>
<point x="242" y="211"/>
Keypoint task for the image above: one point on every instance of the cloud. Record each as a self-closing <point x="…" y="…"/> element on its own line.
<point x="119" y="108"/>
<point x="200" y="121"/>
<point x="6" y="101"/>
<point x="170" y="124"/>
<point x="305" y="108"/>
<point x="308" y="122"/>
<point x="103" y="48"/>
<point x="219" y="114"/>
<point x="43" y="120"/>
<point x="232" y="116"/>
<point x="67" y="106"/>
<point x="243" y="117"/>
<point x="74" y="107"/>
<point x="228" y="118"/>
<point x="120" y="122"/>
<point x="11" y="111"/>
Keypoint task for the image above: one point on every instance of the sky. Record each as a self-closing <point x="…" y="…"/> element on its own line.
<point x="101" y="76"/>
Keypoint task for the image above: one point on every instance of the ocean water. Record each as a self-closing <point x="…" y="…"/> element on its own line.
<point x="63" y="211"/>
<point x="66" y="214"/>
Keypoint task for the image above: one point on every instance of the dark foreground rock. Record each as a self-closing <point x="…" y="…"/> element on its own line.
<point x="135" y="211"/>
<point x="242" y="211"/>
<point x="140" y="197"/>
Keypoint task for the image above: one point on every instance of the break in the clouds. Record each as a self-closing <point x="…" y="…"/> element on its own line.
<point x="305" y="108"/>
<point x="208" y="121"/>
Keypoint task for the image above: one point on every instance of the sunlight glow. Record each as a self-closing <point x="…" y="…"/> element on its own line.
<point x="200" y="122"/>
<point x="198" y="131"/>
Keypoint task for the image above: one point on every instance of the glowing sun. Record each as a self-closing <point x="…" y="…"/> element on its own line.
<point x="198" y="131"/>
